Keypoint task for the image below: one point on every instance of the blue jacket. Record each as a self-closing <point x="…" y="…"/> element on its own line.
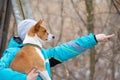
<point x="60" y="53"/>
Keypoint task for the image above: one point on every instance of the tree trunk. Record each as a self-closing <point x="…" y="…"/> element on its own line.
<point x="90" y="28"/>
<point x="6" y="11"/>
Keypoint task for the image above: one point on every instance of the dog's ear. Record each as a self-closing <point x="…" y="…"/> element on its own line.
<point x="38" y="24"/>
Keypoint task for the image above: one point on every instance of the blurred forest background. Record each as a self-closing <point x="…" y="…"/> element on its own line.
<point x="70" y="19"/>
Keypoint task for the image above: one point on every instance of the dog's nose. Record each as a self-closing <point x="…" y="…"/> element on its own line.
<point x="53" y="37"/>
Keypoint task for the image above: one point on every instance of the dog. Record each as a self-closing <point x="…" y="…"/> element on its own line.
<point x="30" y="55"/>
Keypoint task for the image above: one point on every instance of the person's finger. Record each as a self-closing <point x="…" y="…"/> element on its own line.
<point x="33" y="70"/>
<point x="110" y="36"/>
<point x="36" y="74"/>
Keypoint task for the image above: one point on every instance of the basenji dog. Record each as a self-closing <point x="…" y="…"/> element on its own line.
<point x="30" y="55"/>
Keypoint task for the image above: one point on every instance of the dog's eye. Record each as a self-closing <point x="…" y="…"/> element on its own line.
<point x="44" y="31"/>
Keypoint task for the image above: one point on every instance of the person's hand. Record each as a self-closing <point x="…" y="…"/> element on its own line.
<point x="32" y="75"/>
<point x="103" y="37"/>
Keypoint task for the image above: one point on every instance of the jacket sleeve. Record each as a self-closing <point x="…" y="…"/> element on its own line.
<point x="9" y="74"/>
<point x="71" y="49"/>
<point x="8" y="56"/>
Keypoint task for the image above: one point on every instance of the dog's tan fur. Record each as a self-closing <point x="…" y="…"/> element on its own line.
<point x="27" y="59"/>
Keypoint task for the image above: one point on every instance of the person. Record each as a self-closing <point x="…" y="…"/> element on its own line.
<point x="53" y="56"/>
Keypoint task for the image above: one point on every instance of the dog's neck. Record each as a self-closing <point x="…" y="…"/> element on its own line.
<point x="33" y="40"/>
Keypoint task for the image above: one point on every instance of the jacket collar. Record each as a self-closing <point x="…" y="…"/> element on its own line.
<point x="15" y="42"/>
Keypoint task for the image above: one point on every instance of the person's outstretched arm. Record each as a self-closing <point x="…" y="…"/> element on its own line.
<point x="75" y="47"/>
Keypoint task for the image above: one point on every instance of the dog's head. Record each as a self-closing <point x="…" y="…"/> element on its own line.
<point x="41" y="31"/>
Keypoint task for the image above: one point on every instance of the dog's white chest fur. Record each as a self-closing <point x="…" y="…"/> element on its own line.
<point x="40" y="53"/>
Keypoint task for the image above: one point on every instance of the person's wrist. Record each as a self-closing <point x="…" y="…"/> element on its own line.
<point x="95" y="38"/>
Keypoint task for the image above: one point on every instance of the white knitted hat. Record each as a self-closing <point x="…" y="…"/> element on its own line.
<point x="24" y="26"/>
